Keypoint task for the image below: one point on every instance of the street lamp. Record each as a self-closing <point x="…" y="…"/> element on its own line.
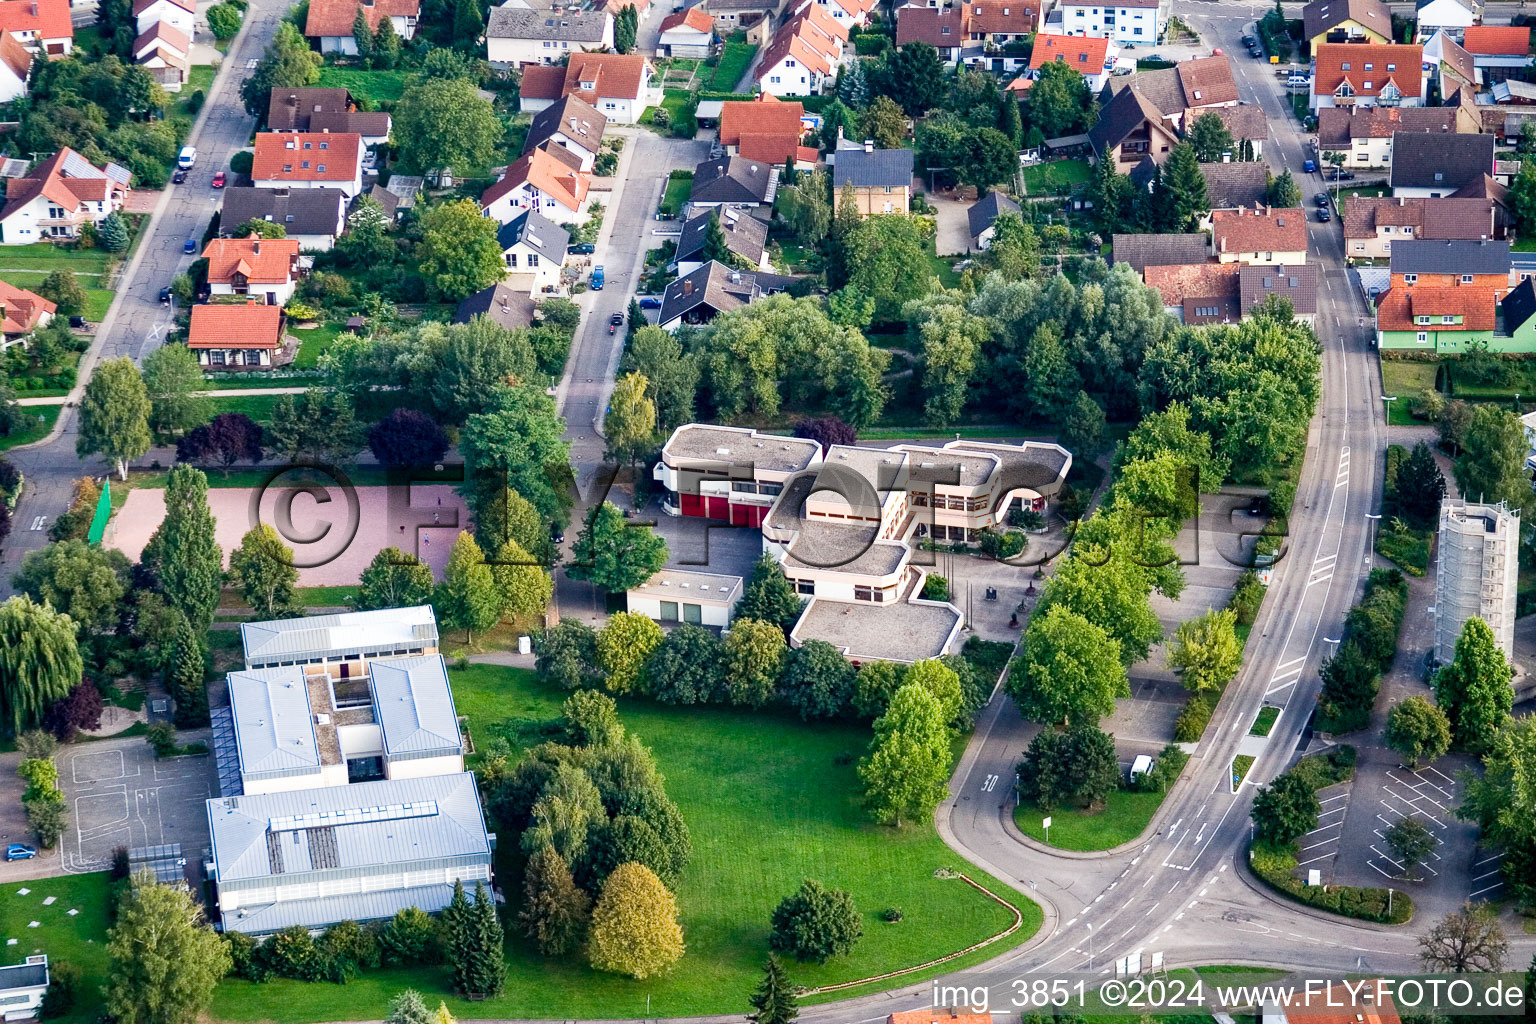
<point x="1329" y="640"/>
<point x="1389" y="399"/>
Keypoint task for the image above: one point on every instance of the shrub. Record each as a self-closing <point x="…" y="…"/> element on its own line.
<point x="1165" y="770"/>
<point x="816" y="923"/>
<point x="223" y="21"/>
<point x="935" y="588"/>
<point x="291" y="953"/>
<point x="245" y="960"/>
<point x="162" y="739"/>
<point x="1191" y="723"/>
<point x="345" y="950"/>
<point x="892" y="915"/>
<point x="63" y="982"/>
<point x="410" y="937"/>
<point x="1247" y="596"/>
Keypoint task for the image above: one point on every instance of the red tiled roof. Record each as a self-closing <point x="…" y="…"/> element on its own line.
<point x="923" y="24"/>
<point x="1208" y="81"/>
<point x="1498" y="40"/>
<point x="999" y="16"/>
<point x="51" y="180"/>
<point x="1179" y="282"/>
<point x="221" y="325"/>
<point x="21" y="309"/>
<point x="542" y="82"/>
<point x="1086" y="53"/>
<point x="612" y="75"/>
<point x="335" y="17"/>
<point x="48" y="18"/>
<point x="1476" y="306"/>
<point x="330" y="156"/>
<point x="765" y="115"/>
<point x="538" y="168"/>
<point x="1399" y="63"/>
<point x="140" y="6"/>
<point x="1266" y="230"/>
<point x="691" y="18"/>
<point x="15" y="55"/>
<point x="259" y="260"/>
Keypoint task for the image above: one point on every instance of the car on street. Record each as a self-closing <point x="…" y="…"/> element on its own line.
<point x="650" y="302"/>
<point x="1256" y="53"/>
<point x="20" y="851"/>
<point x="189" y="246"/>
<point x="187" y="158"/>
<point x="179" y="177"/>
<point x="1248" y="41"/>
<point x="556" y="534"/>
<point x="615" y="322"/>
<point x="1321" y="199"/>
<point x="597" y="279"/>
<point x="165" y="295"/>
<point x="582" y="249"/>
<point x="218" y="179"/>
<point x="1309" y="166"/>
<point x="1324" y="215"/>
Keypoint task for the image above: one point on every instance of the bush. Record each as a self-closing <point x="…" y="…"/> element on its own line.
<point x="1191" y="723"/>
<point x="63" y="982"/>
<point x="195" y="102"/>
<point x="935" y="588"/>
<point x="291" y="953"/>
<point x="242" y="161"/>
<point x="1247" y="596"/>
<point x="245" y="961"/>
<point x="816" y="923"/>
<point x="345" y="950"/>
<point x="162" y="739"/>
<point x="1165" y="770"/>
<point x="892" y="915"/>
<point x="410" y="937"/>
<point x="224" y="21"/>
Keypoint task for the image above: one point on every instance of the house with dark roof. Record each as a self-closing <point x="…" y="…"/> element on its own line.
<point x="965" y="30"/>
<point x="230" y="336"/>
<point x="515" y="36"/>
<point x="533" y="249"/>
<point x="697" y="298"/>
<point x="1518" y="330"/>
<point x="1143" y="251"/>
<point x="325" y="110"/>
<point x="1363" y="135"/>
<point x="1431" y="319"/>
<point x="1263" y="235"/>
<point x="501" y="304"/>
<point x="570" y="122"/>
<point x="398" y="194"/>
<point x="1451" y="264"/>
<point x="982" y="217"/>
<point x="1345" y="21"/>
<point x="1234" y="184"/>
<point x="1183" y="92"/>
<point x="1451" y="66"/>
<point x="1368" y="74"/>
<point x="746" y="237"/>
<point x="1373" y="224"/>
<point x="1298" y="284"/>
<point x="880" y="179"/>
<point x="733" y="181"/>
<point x="330" y="22"/>
<point x="1438" y="165"/>
<point x="1131" y="128"/>
<point x="1248" y="126"/>
<point x="313" y="217"/>
<point x="58" y="196"/>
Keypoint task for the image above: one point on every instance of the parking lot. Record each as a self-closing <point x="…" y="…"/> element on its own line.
<point x="1428" y="796"/>
<point x="1318" y="850"/>
<point x="120" y="795"/>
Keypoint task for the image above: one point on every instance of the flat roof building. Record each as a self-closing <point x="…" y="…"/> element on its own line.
<point x="324" y="638"/>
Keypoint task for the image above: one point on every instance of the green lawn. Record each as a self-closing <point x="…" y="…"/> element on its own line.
<point x="40" y="420"/>
<point x="1266" y="720"/>
<point x="1405" y="379"/>
<point x="734" y="61"/>
<point x="26" y="266"/>
<point x="313" y="343"/>
<point x="1124" y="817"/>
<point x="1042" y="179"/>
<point x="199" y="77"/>
<point x="326" y="597"/>
<point x="770" y="801"/>
<point x="370" y="85"/>
<point x="257" y="407"/>
<point x="679" y="187"/>
<point x="79" y="939"/>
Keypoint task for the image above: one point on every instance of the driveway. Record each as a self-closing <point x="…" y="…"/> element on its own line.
<point x="953" y="237"/>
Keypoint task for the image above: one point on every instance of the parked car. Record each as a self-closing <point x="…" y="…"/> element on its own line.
<point x="218" y="179"/>
<point x="20" y="851"/>
<point x="615" y="322"/>
<point x="582" y="249"/>
<point x="597" y="279"/>
<point x="78" y="322"/>
<point x="1324" y="215"/>
<point x="1321" y="199"/>
<point x="1343" y="175"/>
<point x="1256" y="53"/>
<point x="179" y="177"/>
<point x="187" y="158"/>
<point x="650" y="302"/>
<point x="189" y="246"/>
<point x="1249" y="41"/>
<point x="556" y="534"/>
<point x="1310" y="166"/>
<point x="165" y="295"/>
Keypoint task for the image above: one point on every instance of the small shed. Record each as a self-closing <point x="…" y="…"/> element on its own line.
<point x="1067" y="146"/>
<point x="708" y="113"/>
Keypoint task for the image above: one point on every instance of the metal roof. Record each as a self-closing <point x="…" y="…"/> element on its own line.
<point x="31" y="974"/>
<point x="340" y="634"/>
<point x="317" y="913"/>
<point x="1424" y="256"/>
<point x="414" y="705"/>
<point x="273" y="729"/>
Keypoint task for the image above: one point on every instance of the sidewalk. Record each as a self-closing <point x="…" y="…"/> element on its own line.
<point x="224" y="393"/>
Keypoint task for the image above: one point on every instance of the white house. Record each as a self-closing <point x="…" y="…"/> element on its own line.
<point x="178" y="14"/>
<point x="22" y="987"/>
<point x="533" y="248"/>
<point x="850" y="14"/>
<point x="330" y="21"/>
<point x="687" y="34"/>
<point x="1453" y="17"/>
<point x="803" y="54"/>
<point x="228" y="336"/>
<point x="309" y="160"/>
<point x="1093" y="56"/>
<point x="42" y="26"/>
<point x="519" y="35"/>
<point x="677" y="595"/>
<point x="58" y="196"/>
<point x="313" y="217"/>
<point x="549" y="180"/>
<point x="263" y="268"/>
<point x="15" y="63"/>
<point x="617" y="84"/>
<point x="165" y="52"/>
<point x="573" y="125"/>
<point x="1128" y="22"/>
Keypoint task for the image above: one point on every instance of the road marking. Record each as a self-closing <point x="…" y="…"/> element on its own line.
<point x="989" y="783"/>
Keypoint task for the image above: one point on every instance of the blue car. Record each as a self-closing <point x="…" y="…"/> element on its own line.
<point x="20" y="851"/>
<point x="650" y="302"/>
<point x="189" y="246"/>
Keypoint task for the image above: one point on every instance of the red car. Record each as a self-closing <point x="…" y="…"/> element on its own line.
<point x="218" y="179"/>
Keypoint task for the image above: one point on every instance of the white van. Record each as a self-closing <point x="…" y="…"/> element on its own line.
<point x="187" y="158"/>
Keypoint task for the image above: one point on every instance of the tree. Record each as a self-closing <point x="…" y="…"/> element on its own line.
<point x="714" y="241"/>
<point x="914" y="78"/>
<point x="366" y="242"/>
<point x="484" y="971"/>
<point x="1069" y="669"/>
<point x="1110" y="192"/>
<point x="523" y="584"/>
<point x="1469" y="940"/>
<point x="1474" y="689"/>
<point x="183" y="552"/>
<point x="1285" y="810"/>
<point x="112" y="232"/>
<point x="630" y="425"/>
<point x="1411" y="842"/>
<point x="615" y="554"/>
<point x="555" y="912"/>
<point x="262" y="569"/>
<point x="394" y="579"/>
<point x="623" y="646"/>
<point x="1523" y="199"/>
<point x="1503" y="803"/>
<point x="634" y="926"/>
<point x="624" y="27"/>
<point x="85" y="582"/>
<point x="226" y="439"/>
<point x="1420" y="486"/>
<point x="951" y="340"/>
<point x="409" y="938"/>
<point x="319" y="423"/>
<point x="566" y="654"/>
<point x="171" y="379"/>
<point x="444" y="122"/>
<point x="468" y="23"/>
<point x="817" y="680"/>
<point x="458" y="248"/>
<point x="1185" y="186"/>
<point x="362" y="35"/>
<point x="988" y="158"/>
<point x="1059" y="101"/>
<point x="907" y="771"/>
<point x="1015" y="248"/>
<point x="1082" y="427"/>
<point x="1492" y="463"/>
<point x="884" y="123"/>
<point x="805" y="208"/>
<point x="591" y="719"/>
<point x="467" y="598"/>
<point x="114" y="415"/>
<point x="774" y="999"/>
<point x="1206" y="650"/>
<point x="386" y="47"/>
<point x="671" y="376"/>
<point x="165" y="961"/>
<point x="754" y="653"/>
<point x="78" y="711"/>
<point x="1284" y="192"/>
<point x="879" y="254"/>
<point x="815" y="923"/>
<point x="407" y="437"/>
<point x="1011" y="119"/>
<point x="826" y="432"/>
<point x="39" y="660"/>
<point x="408" y="1008"/>
<point x="1210" y="138"/>
<point x="66" y="293"/>
<point x="1053" y="381"/>
<point x="1418" y="731"/>
<point x="516" y="442"/>
<point x="186" y="672"/>
<point x="685" y="668"/>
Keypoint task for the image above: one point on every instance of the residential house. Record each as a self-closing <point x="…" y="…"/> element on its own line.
<point x="15" y="66"/>
<point x="1143" y="251"/>
<point x="1371" y="225"/>
<point x="501" y="304"/>
<point x="1485" y="187"/>
<point x="981" y="218"/>
<point x="1453" y="17"/>
<point x="698" y="297"/>
<point x="1345" y="21"/>
<point x="23" y="986"/>
<point x="1198" y="294"/>
<point x="58" y="196"/>
<point x="1248" y="126"/>
<point x="533" y="249"/>
<point x="803" y="54"/>
<point x="330" y="21"/>
<point x="267" y="269"/>
<point x="21" y="313"/>
<point x="1297" y="284"/>
<point x="515" y="36"/>
<point x="851" y="14"/>
<point x="236" y="336"/>
<point x="1135" y="22"/>
<point x="618" y="85"/>
<point x="1499" y="50"/>
<point x="1437" y="165"/>
<point x="1183" y="92"/>
<point x="966" y="31"/>
<point x="1130" y="128"/>
<point x="309" y="160"/>
<point x="1363" y="135"/>
<point x="313" y="217"/>
<point x="1518" y="309"/>
<point x="680" y="595"/>
<point x="746" y="238"/>
<point x="571" y="123"/>
<point x="1451" y="66"/>
<point x="730" y="15"/>
<point x="733" y="182"/>
<point x="1483" y="264"/>
<point x="766" y="129"/>
<point x="1232" y="185"/>
<point x="687" y="34"/>
<point x="325" y="110"/>
<point x="165" y="52"/>
<point x="179" y="14"/>
<point x="549" y="180"/>
<point x="881" y="179"/>
<point x="1264" y="235"/>
<point x="1429" y="319"/>
<point x="1367" y="75"/>
<point x="1092" y="56"/>
<point x="43" y="26"/>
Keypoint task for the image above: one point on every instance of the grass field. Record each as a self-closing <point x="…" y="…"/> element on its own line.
<point x="26" y="266"/>
<point x="1268" y="714"/>
<point x="40" y="420"/>
<point x="770" y="801"/>
<point x="1124" y="817"/>
<point x="734" y="61"/>
<point x="257" y="407"/>
<point x="679" y="187"/>
<point x="1404" y="379"/>
<point x="326" y="597"/>
<point x="79" y="939"/>
<point x="1042" y="179"/>
<point x="370" y="85"/>
<point x="314" y="342"/>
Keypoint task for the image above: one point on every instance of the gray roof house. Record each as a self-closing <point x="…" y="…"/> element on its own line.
<point x="698" y="297"/>
<point x="22" y="987"/>
<point x="533" y="232"/>
<point x="1234" y="184"/>
<point x="745" y="236"/>
<point x="1458" y="257"/>
<point x="516" y="34"/>
<point x="373" y="848"/>
<point x="399" y="194"/>
<point x="981" y="217"/>
<point x="501" y="303"/>
<point x="313" y="216"/>
<point x="866" y="167"/>
<point x="572" y="123"/>
<point x="1143" y="251"/>
<point x="346" y="636"/>
<point x="733" y="181"/>
<point x="1432" y="165"/>
<point x="1299" y="284"/>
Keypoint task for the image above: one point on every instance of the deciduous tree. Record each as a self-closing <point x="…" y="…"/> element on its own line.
<point x="65" y="292"/>
<point x="630" y="425"/>
<point x="1465" y="941"/>
<point x="394" y="579"/>
<point x="164" y="960"/>
<point x="817" y="680"/>
<point x="114" y="415"/>
<point x="1285" y="810"/>
<point x="906" y="774"/>
<point x="171" y="378"/>
<point x="1210" y="138"/>
<point x="183" y="553"/>
<point x="754" y="654"/>
<point x="262" y="569"/>
<point x="685" y="669"/>
<point x="1418" y="730"/>
<point x="615" y="554"/>
<point x="458" y="248"/>
<point x="467" y="598"/>
<point x="524" y="585"/>
<point x="444" y="122"/>
<point x="1411" y="842"/>
<point x="1206" y="651"/>
<point x="1069" y="670"/>
<point x="407" y="437"/>
<point x="815" y="923"/>
<point x="634" y="926"/>
<point x="224" y="440"/>
<point x="623" y="645"/>
<point x="84" y="581"/>
<point x="555" y="912"/>
<point x="516" y="442"/>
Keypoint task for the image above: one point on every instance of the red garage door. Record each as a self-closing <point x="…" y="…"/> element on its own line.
<point x="692" y="504"/>
<point x="748" y="515"/>
<point x="717" y="508"/>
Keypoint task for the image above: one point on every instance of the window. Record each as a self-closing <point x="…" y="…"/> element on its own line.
<point x="1367" y="83"/>
<point x="1422" y="336"/>
<point x="309" y="145"/>
<point x="1421" y="320"/>
<point x="1447" y="319"/>
<point x="669" y="611"/>
<point x="693" y="613"/>
<point x="1205" y="311"/>
<point x="252" y="358"/>
<point x="287" y="168"/>
<point x="1466" y="278"/>
<point x="1391" y="67"/>
<point x="807" y="587"/>
<point x="512" y="260"/>
<point x="1408" y="230"/>
<point x="1345" y="65"/>
<point x="1410" y="279"/>
<point x="867" y="594"/>
<point x="304" y="164"/>
<point x="216" y="356"/>
<point x="321" y="168"/>
<point x="944" y="31"/>
<point x="325" y="145"/>
<point x="1369" y="66"/>
<point x="1387" y="230"/>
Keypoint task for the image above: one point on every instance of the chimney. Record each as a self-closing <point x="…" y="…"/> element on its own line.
<point x="293" y="100"/>
<point x="1401" y="201"/>
<point x="687" y="286"/>
<point x="869" y="145"/>
<point x="256" y="248"/>
<point x="32" y="9"/>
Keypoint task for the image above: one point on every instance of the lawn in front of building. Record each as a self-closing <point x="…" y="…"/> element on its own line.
<point x="64" y="917"/>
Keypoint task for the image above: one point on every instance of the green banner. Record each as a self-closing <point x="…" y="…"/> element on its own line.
<point x="103" y="513"/>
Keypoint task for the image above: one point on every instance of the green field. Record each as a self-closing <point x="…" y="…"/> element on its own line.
<point x="770" y="801"/>
<point x="1124" y="817"/>
<point x="40" y="420"/>
<point x="372" y="86"/>
<point x="79" y="939"/>
<point x="313" y="343"/>
<point x="26" y="266"/>
<point x="199" y="77"/>
<point x="734" y="61"/>
<point x="676" y="195"/>
<point x="257" y="407"/>
<point x="1268" y="714"/>
<point x="1405" y="379"/>
<point x="1043" y="179"/>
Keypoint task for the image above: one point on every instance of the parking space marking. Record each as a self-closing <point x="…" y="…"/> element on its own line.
<point x="1418" y="795"/>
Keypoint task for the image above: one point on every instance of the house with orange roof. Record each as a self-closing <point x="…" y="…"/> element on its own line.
<point x="330" y="21"/>
<point x="938" y="1017"/>
<point x="21" y="313"/>
<point x="42" y="26"/>
<point x="58" y="196"/>
<point x="1429" y="319"/>
<point x="963" y="31"/>
<point x="687" y="34"/>
<point x="165" y="52"/>
<point x="1265" y="235"/>
<point x="548" y="180"/>
<point x="1368" y="75"/>
<point x="850" y="14"/>
<point x="803" y="54"/>
<point x="267" y="269"/>
<point x="15" y="63"/>
<point x="766" y="129"/>
<point x="1092" y="56"/>
<point x="1499" y="50"/>
<point x="230" y="336"/>
<point x="179" y="14"/>
<point x="618" y="85"/>
<point x="309" y="160"/>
